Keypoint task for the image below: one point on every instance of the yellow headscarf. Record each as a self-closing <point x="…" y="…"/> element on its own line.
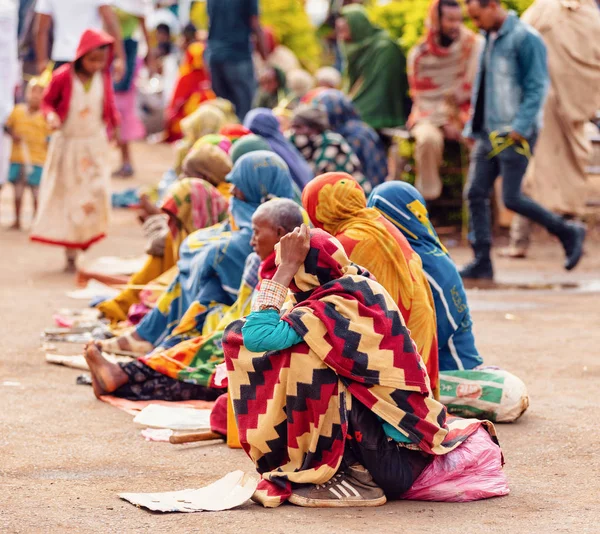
<point x="336" y="203"/>
<point x="226" y="107"/>
<point x="205" y="120"/>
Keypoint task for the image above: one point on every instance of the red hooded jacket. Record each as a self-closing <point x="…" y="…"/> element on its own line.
<point x="57" y="95"/>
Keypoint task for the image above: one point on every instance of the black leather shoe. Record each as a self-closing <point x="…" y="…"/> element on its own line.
<point x="478" y="269"/>
<point x="573" y="244"/>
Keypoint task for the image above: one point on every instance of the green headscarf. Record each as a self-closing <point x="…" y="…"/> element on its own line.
<point x="248" y="143"/>
<point x="376" y="69"/>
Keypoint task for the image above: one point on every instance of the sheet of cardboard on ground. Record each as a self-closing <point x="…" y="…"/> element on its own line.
<point x="112" y="265"/>
<point x="92" y="290"/>
<point x="78" y="361"/>
<point x="176" y="418"/>
<point x="109" y="270"/>
<point x="135" y="407"/>
<point x="233" y="490"/>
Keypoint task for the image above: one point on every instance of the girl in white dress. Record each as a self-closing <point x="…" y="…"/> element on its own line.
<point x="75" y="192"/>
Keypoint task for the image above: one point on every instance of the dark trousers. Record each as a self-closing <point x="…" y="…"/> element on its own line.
<point x="234" y="82"/>
<point x="483" y="172"/>
<point x="393" y="468"/>
<point x="147" y="384"/>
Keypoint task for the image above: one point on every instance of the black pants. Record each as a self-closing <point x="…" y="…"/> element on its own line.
<point x="393" y="468"/>
<point x="483" y="171"/>
<point x="147" y="384"/>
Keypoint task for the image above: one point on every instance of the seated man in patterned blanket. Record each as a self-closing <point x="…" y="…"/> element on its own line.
<point x="332" y="400"/>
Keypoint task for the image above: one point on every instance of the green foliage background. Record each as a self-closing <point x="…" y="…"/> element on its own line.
<point x="405" y="19"/>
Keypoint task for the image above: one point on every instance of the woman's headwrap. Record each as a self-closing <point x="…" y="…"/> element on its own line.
<point x="345" y="120"/>
<point x="209" y="162"/>
<point x="207" y="119"/>
<point x="217" y="140"/>
<point x="248" y="143"/>
<point x="334" y="201"/>
<point x="263" y="122"/>
<point x="226" y="107"/>
<point x="195" y="204"/>
<point x="339" y="108"/>
<point x="234" y="132"/>
<point x="328" y="77"/>
<point x="261" y="175"/>
<point x="300" y="82"/>
<point x="312" y="116"/>
<point x="403" y="205"/>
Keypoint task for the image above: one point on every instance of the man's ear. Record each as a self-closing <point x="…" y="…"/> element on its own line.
<point x="281" y="232"/>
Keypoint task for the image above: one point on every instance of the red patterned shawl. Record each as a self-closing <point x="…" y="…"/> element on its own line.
<point x="291" y="405"/>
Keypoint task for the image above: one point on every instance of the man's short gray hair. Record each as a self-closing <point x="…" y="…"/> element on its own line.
<point x="281" y="212"/>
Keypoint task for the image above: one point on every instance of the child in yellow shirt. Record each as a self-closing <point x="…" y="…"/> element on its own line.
<point x="29" y="131"/>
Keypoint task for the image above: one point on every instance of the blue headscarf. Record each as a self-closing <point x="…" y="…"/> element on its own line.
<point x="403" y="206"/>
<point x="211" y="261"/>
<point x="345" y="120"/>
<point x="259" y="175"/>
<point x="263" y="122"/>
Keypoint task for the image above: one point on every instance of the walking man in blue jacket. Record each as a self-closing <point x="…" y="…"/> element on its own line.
<point x="508" y="97"/>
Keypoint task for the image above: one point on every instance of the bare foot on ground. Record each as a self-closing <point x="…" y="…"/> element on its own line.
<point x="106" y="376"/>
<point x="127" y="343"/>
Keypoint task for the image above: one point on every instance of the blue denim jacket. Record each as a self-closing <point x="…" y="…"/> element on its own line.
<point x="516" y="80"/>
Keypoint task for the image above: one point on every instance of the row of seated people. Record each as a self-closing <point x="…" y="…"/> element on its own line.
<point x="398" y="309"/>
<point x="340" y="344"/>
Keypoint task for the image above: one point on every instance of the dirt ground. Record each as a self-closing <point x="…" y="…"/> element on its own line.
<point x="64" y="455"/>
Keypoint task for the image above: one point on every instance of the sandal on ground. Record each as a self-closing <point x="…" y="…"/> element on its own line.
<point x="126" y="171"/>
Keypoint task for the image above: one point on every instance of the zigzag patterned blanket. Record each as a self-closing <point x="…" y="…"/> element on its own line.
<point x="291" y="405"/>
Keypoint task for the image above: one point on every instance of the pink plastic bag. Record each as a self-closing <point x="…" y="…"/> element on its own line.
<point x="471" y="472"/>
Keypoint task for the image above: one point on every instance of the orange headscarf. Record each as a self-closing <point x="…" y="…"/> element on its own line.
<point x="336" y="203"/>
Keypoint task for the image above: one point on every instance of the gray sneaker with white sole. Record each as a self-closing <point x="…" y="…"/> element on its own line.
<point x="353" y="487"/>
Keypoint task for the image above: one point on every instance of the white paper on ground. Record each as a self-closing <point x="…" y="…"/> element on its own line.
<point x="93" y="289"/>
<point x="175" y="418"/>
<point x="112" y="265"/>
<point x="226" y="493"/>
<point x="157" y="434"/>
<point x="76" y="318"/>
<point x="84" y="314"/>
